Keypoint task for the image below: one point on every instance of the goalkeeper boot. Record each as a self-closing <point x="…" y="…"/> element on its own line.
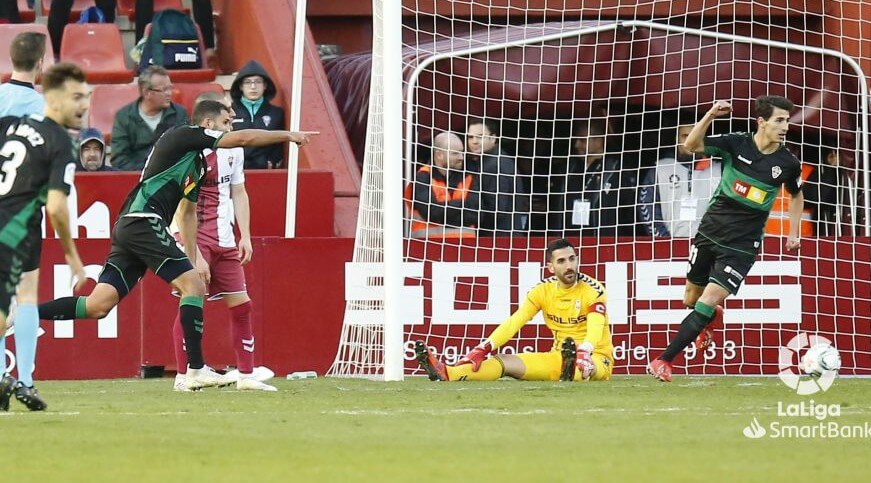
<point x="569" y="352"/>
<point x="29" y="396"/>
<point x="660" y="369"/>
<point x="205" y="377"/>
<point x="7" y="387"/>
<point x="435" y="369"/>
<point x="706" y="337"/>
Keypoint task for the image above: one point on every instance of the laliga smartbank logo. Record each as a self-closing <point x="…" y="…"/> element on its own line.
<point x="807" y="419"/>
<point x="803" y="386"/>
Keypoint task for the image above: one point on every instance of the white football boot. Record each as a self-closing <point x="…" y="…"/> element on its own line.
<point x="179" y="384"/>
<point x="248" y="382"/>
<point x="205" y="377"/>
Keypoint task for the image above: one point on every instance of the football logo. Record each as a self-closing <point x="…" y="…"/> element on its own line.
<point x="776" y="172"/>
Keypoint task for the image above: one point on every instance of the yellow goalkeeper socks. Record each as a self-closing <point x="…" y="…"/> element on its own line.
<point x="489" y="370"/>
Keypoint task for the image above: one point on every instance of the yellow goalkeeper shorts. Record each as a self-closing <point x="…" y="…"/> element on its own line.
<point x="546" y="366"/>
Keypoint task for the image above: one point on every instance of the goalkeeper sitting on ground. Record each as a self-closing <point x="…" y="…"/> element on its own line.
<point x="573" y="305"/>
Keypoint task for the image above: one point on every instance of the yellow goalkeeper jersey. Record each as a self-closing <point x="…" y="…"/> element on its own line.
<point x="578" y="312"/>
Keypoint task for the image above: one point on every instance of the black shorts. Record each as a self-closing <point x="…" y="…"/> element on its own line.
<point x="710" y="262"/>
<point x="31" y="254"/>
<point x="11" y="266"/>
<point x="139" y="244"/>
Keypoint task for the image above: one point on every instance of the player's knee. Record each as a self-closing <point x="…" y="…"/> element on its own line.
<point x="192" y="286"/>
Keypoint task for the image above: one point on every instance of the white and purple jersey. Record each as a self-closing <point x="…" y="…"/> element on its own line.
<point x="215" y="214"/>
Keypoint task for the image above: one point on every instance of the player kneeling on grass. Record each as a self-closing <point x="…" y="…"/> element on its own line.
<point x="573" y="305"/>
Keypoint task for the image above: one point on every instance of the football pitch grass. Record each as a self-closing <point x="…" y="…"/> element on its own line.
<point x="326" y="429"/>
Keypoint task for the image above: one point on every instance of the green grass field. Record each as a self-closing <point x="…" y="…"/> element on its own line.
<point x="628" y="429"/>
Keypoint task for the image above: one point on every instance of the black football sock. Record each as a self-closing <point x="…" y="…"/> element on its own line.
<point x="190" y="310"/>
<point x="690" y="328"/>
<point x="64" y="308"/>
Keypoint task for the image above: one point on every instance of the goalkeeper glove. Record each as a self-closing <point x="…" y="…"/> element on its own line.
<point x="477" y="355"/>
<point x="584" y="362"/>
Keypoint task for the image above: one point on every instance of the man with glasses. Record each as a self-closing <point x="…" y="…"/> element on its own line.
<point x="251" y="92"/>
<point x="138" y="124"/>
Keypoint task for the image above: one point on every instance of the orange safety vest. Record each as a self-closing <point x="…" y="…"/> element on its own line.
<point x="420" y="226"/>
<point x="778" y="220"/>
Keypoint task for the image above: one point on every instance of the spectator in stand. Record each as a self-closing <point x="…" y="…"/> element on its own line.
<point x="203" y="13"/>
<point x="92" y="151"/>
<point x="823" y="192"/>
<point x="504" y="206"/>
<point x="251" y="92"/>
<point x="18" y="97"/>
<point x="138" y="124"/>
<point x="59" y="16"/>
<point x="673" y="196"/>
<point x="599" y="198"/>
<point x="444" y="202"/>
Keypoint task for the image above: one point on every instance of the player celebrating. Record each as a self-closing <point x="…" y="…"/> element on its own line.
<point x="37" y="166"/>
<point x="573" y="305"/>
<point x="141" y="239"/>
<point x="223" y="195"/>
<point x="731" y="231"/>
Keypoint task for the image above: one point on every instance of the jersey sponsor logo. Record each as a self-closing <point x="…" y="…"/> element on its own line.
<point x="752" y="193"/>
<point x="776" y="172"/>
<point x="744" y="160"/>
<point x="189" y="184"/>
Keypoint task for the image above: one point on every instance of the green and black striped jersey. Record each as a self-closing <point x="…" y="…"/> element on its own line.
<point x="36" y="155"/>
<point x="173" y="170"/>
<point x="750" y="183"/>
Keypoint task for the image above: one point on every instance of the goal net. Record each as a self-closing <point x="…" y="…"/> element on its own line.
<point x="568" y="121"/>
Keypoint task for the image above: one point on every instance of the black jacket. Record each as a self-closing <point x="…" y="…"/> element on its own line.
<point x="268" y="116"/>
<point x="610" y="193"/>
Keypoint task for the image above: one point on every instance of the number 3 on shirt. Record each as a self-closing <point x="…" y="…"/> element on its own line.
<point x="11" y="156"/>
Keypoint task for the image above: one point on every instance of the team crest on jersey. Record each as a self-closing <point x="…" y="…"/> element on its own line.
<point x="674" y="180"/>
<point x="267" y="120"/>
<point x="577" y="305"/>
<point x="776" y="172"/>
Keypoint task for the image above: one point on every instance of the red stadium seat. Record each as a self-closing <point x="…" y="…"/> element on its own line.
<point x="105" y="101"/>
<point x="186" y="94"/>
<point x="8" y="32"/>
<point x="27" y="14"/>
<point x="191" y="75"/>
<point x="128" y="7"/>
<point x="98" y="49"/>
<point x="78" y="7"/>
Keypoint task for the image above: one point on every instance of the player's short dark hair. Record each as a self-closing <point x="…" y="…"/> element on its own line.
<point x="557" y="245"/>
<point x="490" y="125"/>
<point x="765" y="105"/>
<point x="26" y="50"/>
<point x="208" y="110"/>
<point x="55" y="76"/>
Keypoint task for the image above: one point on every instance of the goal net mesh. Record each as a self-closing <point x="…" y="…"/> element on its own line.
<point x="580" y="110"/>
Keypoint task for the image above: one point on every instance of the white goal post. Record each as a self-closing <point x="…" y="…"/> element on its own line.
<point x="464" y="288"/>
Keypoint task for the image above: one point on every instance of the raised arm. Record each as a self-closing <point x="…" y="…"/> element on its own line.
<point x="696" y="140"/>
<point x="246" y="138"/>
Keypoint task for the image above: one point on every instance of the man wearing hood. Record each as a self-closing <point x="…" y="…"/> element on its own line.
<point x="251" y="92"/>
<point x="92" y="151"/>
